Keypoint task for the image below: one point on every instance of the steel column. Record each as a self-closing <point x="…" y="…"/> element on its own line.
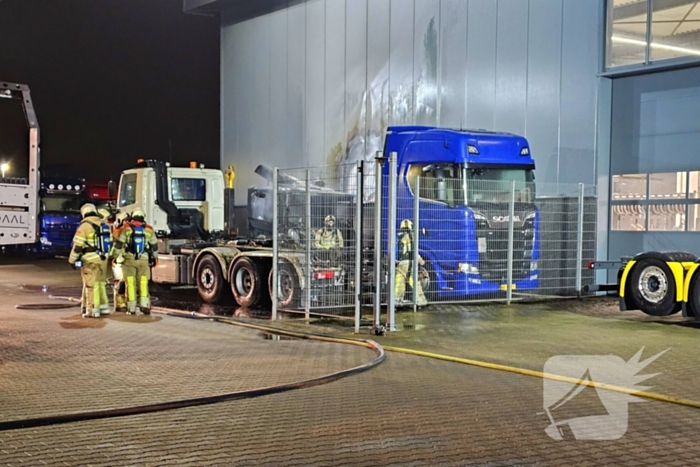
<point x="275" y="243"/>
<point x="378" y="240"/>
<point x="391" y="244"/>
<point x="511" y="239"/>
<point x="579" y="238"/>
<point x="358" y="244"/>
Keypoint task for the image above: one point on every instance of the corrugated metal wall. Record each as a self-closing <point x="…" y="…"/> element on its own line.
<point x="317" y="82"/>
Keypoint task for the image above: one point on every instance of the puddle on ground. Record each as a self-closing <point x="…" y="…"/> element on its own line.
<point x="52" y="289"/>
<point x="78" y="322"/>
<point x="136" y="319"/>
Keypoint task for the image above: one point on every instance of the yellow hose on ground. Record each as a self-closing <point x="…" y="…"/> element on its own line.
<point x="448" y="358"/>
<point x="539" y="374"/>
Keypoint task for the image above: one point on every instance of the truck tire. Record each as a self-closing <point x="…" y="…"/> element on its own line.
<point x="694" y="296"/>
<point x="246" y="283"/>
<point x="653" y="288"/>
<point x="210" y="280"/>
<point x="289" y="292"/>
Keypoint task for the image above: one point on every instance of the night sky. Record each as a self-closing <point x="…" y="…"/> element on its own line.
<point x="113" y="80"/>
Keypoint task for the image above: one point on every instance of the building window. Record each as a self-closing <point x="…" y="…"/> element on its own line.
<point x="643" y="31"/>
<point x="667" y="217"/>
<point x="630" y="217"/>
<point x="656" y="202"/>
<point x="629" y="187"/>
<point x="667" y="186"/>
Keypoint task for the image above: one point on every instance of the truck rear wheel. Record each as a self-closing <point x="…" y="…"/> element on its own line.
<point x="694" y="296"/>
<point x="210" y="280"/>
<point x="288" y="291"/>
<point x="653" y="287"/>
<point x="246" y="283"/>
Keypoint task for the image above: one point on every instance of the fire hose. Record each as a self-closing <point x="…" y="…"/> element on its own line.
<point x="380" y="356"/>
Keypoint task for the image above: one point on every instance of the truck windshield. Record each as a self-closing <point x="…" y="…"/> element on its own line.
<point x="494" y="185"/>
<point x="61" y="203"/>
<point x="456" y="184"/>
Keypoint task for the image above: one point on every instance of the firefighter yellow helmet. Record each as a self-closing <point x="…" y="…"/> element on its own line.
<point x="329" y="218"/>
<point x="121" y="217"/>
<point x="407" y="224"/>
<point x="138" y="214"/>
<point x="88" y="208"/>
<point x="104" y="214"/>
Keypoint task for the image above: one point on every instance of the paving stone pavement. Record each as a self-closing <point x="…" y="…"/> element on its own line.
<point x="407" y="411"/>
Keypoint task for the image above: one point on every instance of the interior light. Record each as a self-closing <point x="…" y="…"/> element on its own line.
<point x="655" y="45"/>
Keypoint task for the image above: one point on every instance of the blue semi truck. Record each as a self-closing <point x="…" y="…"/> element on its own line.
<point x="59" y="213"/>
<point x="466" y="184"/>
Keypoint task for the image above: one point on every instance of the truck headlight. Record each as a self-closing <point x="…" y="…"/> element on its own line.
<point x="466" y="268"/>
<point x="44" y="241"/>
<point x="479" y="217"/>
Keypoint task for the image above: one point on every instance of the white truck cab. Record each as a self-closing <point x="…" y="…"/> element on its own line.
<point x="187" y="188"/>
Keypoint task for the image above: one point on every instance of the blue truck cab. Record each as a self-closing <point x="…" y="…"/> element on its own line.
<point x="59" y="213"/>
<point x="466" y="179"/>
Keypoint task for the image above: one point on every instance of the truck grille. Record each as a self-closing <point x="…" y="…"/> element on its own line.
<point x="493" y="263"/>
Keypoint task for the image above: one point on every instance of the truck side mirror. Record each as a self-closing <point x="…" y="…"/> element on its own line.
<point x="112" y="189"/>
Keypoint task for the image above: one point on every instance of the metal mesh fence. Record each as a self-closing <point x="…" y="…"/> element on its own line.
<point x="316" y="239"/>
<point x="446" y="236"/>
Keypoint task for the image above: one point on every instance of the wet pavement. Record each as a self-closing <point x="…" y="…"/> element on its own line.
<point x="407" y="411"/>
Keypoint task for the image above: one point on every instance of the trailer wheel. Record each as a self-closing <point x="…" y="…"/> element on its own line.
<point x="653" y="288"/>
<point x="210" y="280"/>
<point x="694" y="296"/>
<point x="288" y="291"/>
<point x="246" y="283"/>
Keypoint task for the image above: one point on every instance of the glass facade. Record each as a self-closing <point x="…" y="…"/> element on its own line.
<point x="660" y="202"/>
<point x="640" y="32"/>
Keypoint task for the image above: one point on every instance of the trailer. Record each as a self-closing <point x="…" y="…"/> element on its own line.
<point x="657" y="283"/>
<point x="18" y="195"/>
<point x="191" y="210"/>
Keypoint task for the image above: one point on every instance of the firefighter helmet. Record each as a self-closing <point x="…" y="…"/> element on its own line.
<point x="104" y="213"/>
<point x="138" y="215"/>
<point x="87" y="209"/>
<point x="406" y="224"/>
<point x="121" y="217"/>
<point x="329" y="218"/>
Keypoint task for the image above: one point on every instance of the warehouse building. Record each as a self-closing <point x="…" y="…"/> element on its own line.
<point x="607" y="92"/>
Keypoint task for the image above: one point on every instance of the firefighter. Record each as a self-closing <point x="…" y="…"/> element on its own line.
<point x="404" y="268"/>
<point x="107" y="242"/>
<point x="89" y="254"/>
<point x="329" y="238"/>
<point x="137" y="248"/>
<point x="118" y="284"/>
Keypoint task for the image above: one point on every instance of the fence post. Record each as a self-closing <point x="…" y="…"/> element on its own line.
<point x="391" y="244"/>
<point x="377" y="240"/>
<point x="309" y="233"/>
<point x="579" y="239"/>
<point x="511" y="239"/>
<point x="358" y="244"/>
<point x="416" y="234"/>
<point x="275" y="242"/>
